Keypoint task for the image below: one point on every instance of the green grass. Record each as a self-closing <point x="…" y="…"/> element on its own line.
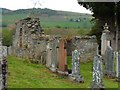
<point x="27" y="75"/>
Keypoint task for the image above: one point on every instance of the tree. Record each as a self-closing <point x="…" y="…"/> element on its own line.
<point x="103" y="12"/>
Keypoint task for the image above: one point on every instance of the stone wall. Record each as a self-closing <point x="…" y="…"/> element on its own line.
<point x="29" y="42"/>
<point x="87" y="46"/>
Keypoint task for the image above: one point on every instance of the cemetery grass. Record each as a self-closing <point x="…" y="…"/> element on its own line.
<point x="23" y="74"/>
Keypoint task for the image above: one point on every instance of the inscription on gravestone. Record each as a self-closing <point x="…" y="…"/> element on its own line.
<point x="109" y="62"/>
<point x="97" y="72"/>
<point x="76" y="76"/>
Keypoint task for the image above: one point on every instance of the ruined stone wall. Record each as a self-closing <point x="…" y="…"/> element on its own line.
<point x="28" y="41"/>
<point x="87" y="46"/>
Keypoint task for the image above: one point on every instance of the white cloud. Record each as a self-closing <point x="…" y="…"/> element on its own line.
<point x="65" y="5"/>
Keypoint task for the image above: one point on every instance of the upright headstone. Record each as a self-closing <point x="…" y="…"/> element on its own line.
<point x="48" y="56"/>
<point x="9" y="50"/>
<point x="105" y="39"/>
<point x="76" y="76"/>
<point x="3" y="67"/>
<point x="109" y="62"/>
<point x="54" y="60"/>
<point x="1" y="58"/>
<point x="118" y="73"/>
<point x="97" y="72"/>
<point x="62" y="67"/>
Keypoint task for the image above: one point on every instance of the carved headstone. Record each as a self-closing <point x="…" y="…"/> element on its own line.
<point x="76" y="76"/>
<point x="109" y="62"/>
<point x="97" y="72"/>
<point x="62" y="67"/>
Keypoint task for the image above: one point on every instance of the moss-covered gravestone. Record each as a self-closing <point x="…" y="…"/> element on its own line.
<point x="109" y="62"/>
<point x="97" y="82"/>
<point x="76" y="76"/>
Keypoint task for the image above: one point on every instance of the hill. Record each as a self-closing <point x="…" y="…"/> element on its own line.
<point x="27" y="75"/>
<point x="49" y="18"/>
<point x="4" y="10"/>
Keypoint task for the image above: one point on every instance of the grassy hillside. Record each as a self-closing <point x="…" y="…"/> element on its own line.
<point x="26" y="75"/>
<point x="49" y="18"/>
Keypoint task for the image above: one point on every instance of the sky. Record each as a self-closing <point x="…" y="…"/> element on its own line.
<point x="63" y="5"/>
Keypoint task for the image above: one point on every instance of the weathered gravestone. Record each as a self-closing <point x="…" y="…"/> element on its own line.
<point x="109" y="62"/>
<point x="3" y="67"/>
<point x="9" y="49"/>
<point x="1" y="58"/>
<point x="97" y="73"/>
<point x="105" y="39"/>
<point x="118" y="72"/>
<point x="54" y="60"/>
<point x="49" y="54"/>
<point x="76" y="76"/>
<point x="62" y="67"/>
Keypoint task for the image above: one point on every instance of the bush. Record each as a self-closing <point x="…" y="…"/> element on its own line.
<point x="7" y="37"/>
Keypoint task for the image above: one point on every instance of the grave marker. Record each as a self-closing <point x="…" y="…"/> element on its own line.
<point x="97" y="72"/>
<point x="76" y="76"/>
<point x="54" y="62"/>
<point x="118" y="73"/>
<point x="48" y="56"/>
<point x="62" y="67"/>
<point x="109" y="62"/>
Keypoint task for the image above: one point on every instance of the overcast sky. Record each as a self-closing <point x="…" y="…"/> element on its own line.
<point x="64" y="5"/>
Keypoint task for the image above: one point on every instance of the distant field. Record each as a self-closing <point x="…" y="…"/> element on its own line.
<point x="60" y="21"/>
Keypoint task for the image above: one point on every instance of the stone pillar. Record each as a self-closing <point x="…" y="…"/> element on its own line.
<point x="105" y="39"/>
<point x="76" y="76"/>
<point x="97" y="72"/>
<point x="62" y="67"/>
<point x="109" y="62"/>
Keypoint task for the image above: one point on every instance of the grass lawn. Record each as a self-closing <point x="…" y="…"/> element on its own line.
<point x="27" y="75"/>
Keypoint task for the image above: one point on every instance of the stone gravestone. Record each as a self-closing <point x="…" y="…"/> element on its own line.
<point x="62" y="67"/>
<point x="109" y="62"/>
<point x="97" y="72"/>
<point x="9" y="50"/>
<point x="118" y="73"/>
<point x="1" y="58"/>
<point x="48" y="56"/>
<point x="54" y="60"/>
<point x="75" y="76"/>
<point x="4" y="66"/>
<point x="105" y="39"/>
